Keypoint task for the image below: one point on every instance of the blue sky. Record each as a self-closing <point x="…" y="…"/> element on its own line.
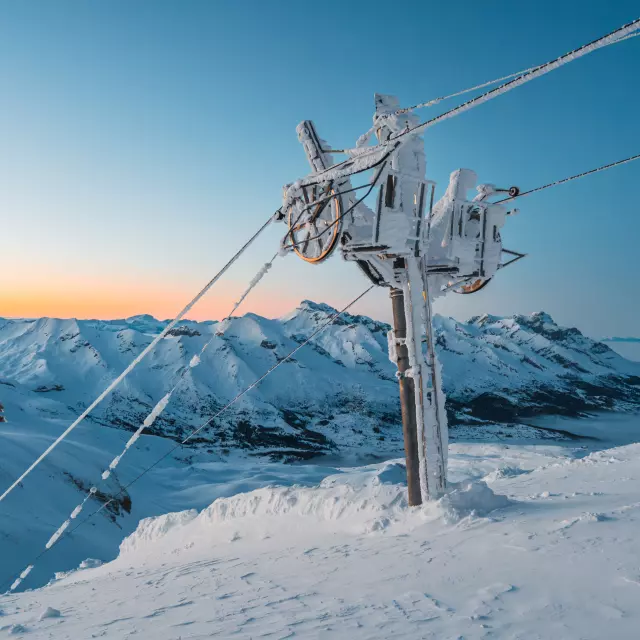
<point x="142" y="142"/>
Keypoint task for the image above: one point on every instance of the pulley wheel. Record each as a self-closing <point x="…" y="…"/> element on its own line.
<point x="472" y="287"/>
<point x="314" y="223"/>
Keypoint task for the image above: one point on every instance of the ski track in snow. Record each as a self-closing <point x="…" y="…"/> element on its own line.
<point x="560" y="561"/>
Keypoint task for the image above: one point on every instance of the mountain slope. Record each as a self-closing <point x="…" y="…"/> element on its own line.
<point x="338" y="393"/>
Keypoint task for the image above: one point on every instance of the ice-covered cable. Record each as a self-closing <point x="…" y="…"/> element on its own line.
<point x="348" y="167"/>
<point x="63" y="529"/>
<point x="373" y="157"/>
<point x="135" y="362"/>
<point x="256" y="279"/>
<point x="628" y="37"/>
<point x="146" y="423"/>
<point x="22" y="576"/>
<point x="364" y="138"/>
<point x="569" y="179"/>
<point x="612" y="38"/>
<point x="150" y="419"/>
<point x="434" y="101"/>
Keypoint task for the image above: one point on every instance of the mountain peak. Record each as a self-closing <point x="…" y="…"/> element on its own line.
<point x="310" y="305"/>
<point x="483" y="319"/>
<point x="142" y="317"/>
<point x="542" y="316"/>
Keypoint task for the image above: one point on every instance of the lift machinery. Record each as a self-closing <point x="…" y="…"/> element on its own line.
<point x="418" y="249"/>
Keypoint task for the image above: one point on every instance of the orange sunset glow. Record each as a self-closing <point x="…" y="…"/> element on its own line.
<point x="120" y="300"/>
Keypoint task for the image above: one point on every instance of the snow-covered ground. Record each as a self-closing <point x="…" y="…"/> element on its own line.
<point x="185" y="479"/>
<point x="536" y="541"/>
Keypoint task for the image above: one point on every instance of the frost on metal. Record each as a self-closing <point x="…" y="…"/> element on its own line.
<point x="404" y="243"/>
<point x="464" y="243"/>
<point x="254" y="282"/>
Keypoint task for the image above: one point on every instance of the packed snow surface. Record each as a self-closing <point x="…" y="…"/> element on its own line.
<point x="533" y="541"/>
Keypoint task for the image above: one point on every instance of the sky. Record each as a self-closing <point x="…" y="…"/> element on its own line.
<point x="143" y="142"/>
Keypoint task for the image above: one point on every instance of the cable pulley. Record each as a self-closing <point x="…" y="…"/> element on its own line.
<point x="314" y="218"/>
<point x="471" y="287"/>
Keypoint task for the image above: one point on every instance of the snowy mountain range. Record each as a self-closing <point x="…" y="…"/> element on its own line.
<point x="339" y="393"/>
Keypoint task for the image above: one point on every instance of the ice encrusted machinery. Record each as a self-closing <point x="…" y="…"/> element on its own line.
<point x="404" y="241"/>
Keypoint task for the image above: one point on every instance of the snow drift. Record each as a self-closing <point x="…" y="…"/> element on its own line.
<point x="359" y="501"/>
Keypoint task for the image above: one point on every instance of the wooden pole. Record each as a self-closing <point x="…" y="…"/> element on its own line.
<point x="407" y="399"/>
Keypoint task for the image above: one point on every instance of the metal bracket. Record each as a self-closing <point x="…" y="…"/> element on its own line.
<point x="518" y="256"/>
